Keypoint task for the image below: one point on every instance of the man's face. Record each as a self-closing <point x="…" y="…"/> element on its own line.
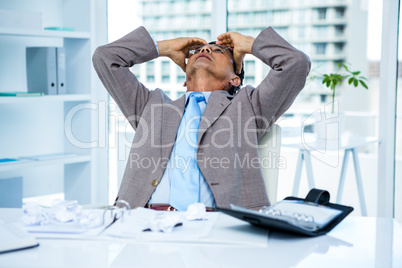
<point x="213" y="59"/>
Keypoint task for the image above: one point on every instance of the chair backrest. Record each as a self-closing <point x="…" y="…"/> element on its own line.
<point x="269" y="153"/>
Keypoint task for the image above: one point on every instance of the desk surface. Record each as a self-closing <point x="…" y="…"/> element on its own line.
<point x="355" y="242"/>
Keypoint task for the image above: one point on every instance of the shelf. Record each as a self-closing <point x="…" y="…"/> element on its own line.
<point x="44" y="33"/>
<point x="51" y="98"/>
<point x="33" y="163"/>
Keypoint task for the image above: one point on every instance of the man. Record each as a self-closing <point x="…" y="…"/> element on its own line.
<point x="221" y="170"/>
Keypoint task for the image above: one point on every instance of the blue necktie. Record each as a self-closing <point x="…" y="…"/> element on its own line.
<point x="185" y="184"/>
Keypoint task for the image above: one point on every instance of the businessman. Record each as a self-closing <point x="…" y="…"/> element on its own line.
<point x="201" y="147"/>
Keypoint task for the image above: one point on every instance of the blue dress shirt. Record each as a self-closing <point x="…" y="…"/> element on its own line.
<point x="162" y="192"/>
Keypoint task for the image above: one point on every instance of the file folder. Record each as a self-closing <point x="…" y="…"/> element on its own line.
<point x="41" y="70"/>
<point x="61" y="70"/>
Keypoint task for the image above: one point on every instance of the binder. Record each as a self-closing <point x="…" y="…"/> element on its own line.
<point x="301" y="222"/>
<point x="14" y="238"/>
<point x="61" y="70"/>
<point x="41" y="70"/>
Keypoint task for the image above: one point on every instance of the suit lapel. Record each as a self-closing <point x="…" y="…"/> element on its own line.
<point x="171" y="117"/>
<point x="217" y="103"/>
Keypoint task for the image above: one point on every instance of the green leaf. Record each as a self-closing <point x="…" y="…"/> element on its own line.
<point x="356" y="73"/>
<point x="350" y="80"/>
<point x="328" y="83"/>
<point x="355" y="82"/>
<point x="345" y="67"/>
<point x="363" y="84"/>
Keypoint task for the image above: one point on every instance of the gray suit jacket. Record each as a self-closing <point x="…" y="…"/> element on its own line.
<point x="230" y="128"/>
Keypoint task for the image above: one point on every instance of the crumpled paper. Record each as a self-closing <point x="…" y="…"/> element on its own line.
<point x="34" y="214"/>
<point x="164" y="222"/>
<point x="196" y="211"/>
<point x="63" y="212"/>
<point x="66" y="211"/>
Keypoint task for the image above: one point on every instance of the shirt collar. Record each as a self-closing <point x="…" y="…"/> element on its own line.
<point x="206" y="95"/>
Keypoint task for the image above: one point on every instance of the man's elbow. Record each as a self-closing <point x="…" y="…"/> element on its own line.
<point x="97" y="56"/>
<point x="304" y="63"/>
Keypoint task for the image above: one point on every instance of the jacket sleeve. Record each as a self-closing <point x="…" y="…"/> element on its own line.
<point x="287" y="77"/>
<point x="112" y="63"/>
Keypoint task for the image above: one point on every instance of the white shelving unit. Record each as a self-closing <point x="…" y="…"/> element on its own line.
<point x="75" y="123"/>
<point x="45" y="33"/>
<point x="48" y="98"/>
<point x="33" y="163"/>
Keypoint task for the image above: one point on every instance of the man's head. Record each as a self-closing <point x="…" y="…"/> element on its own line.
<point x="215" y="63"/>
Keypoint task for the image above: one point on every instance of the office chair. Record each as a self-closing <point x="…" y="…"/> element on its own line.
<point x="269" y="152"/>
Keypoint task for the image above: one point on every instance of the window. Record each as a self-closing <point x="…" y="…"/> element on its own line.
<point x="339" y="12"/>
<point x="338" y="48"/>
<point x="321" y="13"/>
<point x="249" y="71"/>
<point x="339" y="30"/>
<point x="136" y="70"/>
<point x="249" y="80"/>
<point x="165" y="71"/>
<point x="181" y="78"/>
<point x="165" y="78"/>
<point x="320" y="31"/>
<point x="301" y="32"/>
<point x="150" y="67"/>
<point x="281" y="17"/>
<point x="150" y="78"/>
<point x="283" y="31"/>
<point x="300" y="15"/>
<point x="320" y="48"/>
<point x="249" y="66"/>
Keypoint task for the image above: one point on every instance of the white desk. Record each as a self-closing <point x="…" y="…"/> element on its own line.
<point x="347" y="144"/>
<point x="355" y="242"/>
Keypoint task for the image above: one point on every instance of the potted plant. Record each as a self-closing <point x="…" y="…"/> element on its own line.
<point x="329" y="125"/>
<point x="332" y="80"/>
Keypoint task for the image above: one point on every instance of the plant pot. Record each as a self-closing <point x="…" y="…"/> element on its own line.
<point x="327" y="125"/>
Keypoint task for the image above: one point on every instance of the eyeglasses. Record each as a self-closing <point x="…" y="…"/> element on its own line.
<point x="214" y="48"/>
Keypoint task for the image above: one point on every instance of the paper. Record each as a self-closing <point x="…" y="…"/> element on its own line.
<point x="321" y="215"/>
<point x="196" y="211"/>
<point x="89" y="223"/>
<point x="133" y="223"/>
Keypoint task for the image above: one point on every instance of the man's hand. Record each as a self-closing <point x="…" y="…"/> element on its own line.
<point x="177" y="49"/>
<point x="241" y="45"/>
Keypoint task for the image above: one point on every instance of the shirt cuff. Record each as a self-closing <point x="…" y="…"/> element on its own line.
<point x="156" y="45"/>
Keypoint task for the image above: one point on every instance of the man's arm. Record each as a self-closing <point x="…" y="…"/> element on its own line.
<point x="289" y="69"/>
<point x="177" y="49"/>
<point x="112" y="63"/>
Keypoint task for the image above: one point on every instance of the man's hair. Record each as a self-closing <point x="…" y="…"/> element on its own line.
<point x="234" y="89"/>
